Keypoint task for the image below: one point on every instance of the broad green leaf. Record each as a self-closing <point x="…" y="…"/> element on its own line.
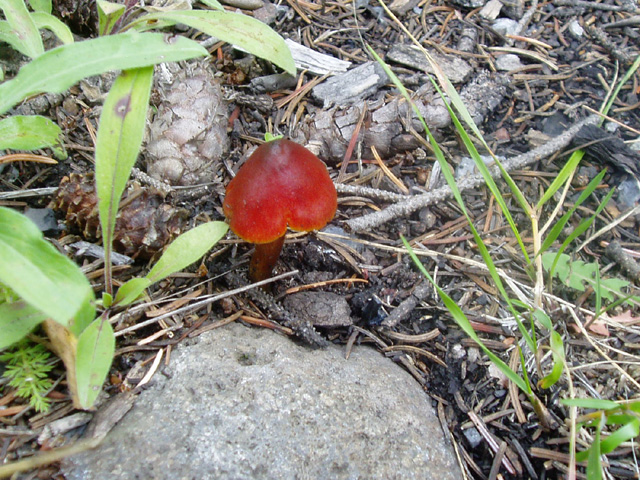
<point x="131" y="290"/>
<point x="187" y="248"/>
<point x="55" y="26"/>
<point x="21" y="23"/>
<point x="17" y="319"/>
<point x="591" y="403"/>
<point x="58" y="69"/>
<point x="39" y="274"/>
<point x="43" y="6"/>
<point x="30" y="132"/>
<point x="120" y="133"/>
<point x="108" y="14"/>
<point x="96" y="346"/>
<point x="10" y="36"/>
<point x="235" y="28"/>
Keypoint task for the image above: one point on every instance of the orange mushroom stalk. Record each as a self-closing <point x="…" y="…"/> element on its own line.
<point x="281" y="184"/>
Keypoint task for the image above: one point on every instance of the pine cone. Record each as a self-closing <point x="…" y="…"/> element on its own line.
<point x="188" y="135"/>
<point x="144" y="225"/>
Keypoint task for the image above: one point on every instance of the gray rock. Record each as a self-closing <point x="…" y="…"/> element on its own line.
<point x="247" y="403"/>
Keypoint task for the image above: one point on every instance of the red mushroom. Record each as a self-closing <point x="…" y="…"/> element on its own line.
<point x="281" y="184"/>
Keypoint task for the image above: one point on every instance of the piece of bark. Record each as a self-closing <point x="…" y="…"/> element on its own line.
<point x="315" y="62"/>
<point x="109" y="414"/>
<point x="455" y="68"/>
<point x="327" y="132"/>
<point x="606" y="147"/>
<point x="407" y="306"/>
<point x="483" y="94"/>
<point x="351" y="87"/>
<point x="630" y="266"/>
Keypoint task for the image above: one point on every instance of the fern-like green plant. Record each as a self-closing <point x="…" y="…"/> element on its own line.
<point x="28" y="366"/>
<point x="578" y="275"/>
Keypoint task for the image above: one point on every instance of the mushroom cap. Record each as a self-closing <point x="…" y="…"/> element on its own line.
<point x="281" y="184"/>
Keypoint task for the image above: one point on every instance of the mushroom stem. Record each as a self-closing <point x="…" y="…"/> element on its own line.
<point x="264" y="259"/>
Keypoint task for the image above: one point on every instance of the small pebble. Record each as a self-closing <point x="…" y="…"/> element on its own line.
<point x="628" y="193"/>
<point x="44" y="219"/>
<point x="508" y="62"/>
<point x="505" y="26"/>
<point x="473" y="437"/>
<point x="576" y="30"/>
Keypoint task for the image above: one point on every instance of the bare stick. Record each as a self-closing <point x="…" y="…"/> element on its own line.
<point x="411" y="204"/>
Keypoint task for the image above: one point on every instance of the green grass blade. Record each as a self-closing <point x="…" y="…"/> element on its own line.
<point x="632" y="70"/>
<point x="561" y="178"/>
<point x="594" y="464"/>
<point x="555" y="231"/>
<point x="622" y="434"/>
<point x="490" y="182"/>
<point x="458" y="196"/>
<point x="463" y="322"/>
<point x="591" y="403"/>
<point x="21" y="22"/>
<point x="58" y="69"/>
<point x="234" y="28"/>
<point x="120" y="134"/>
<point x="598" y="291"/>
<point x="579" y="230"/>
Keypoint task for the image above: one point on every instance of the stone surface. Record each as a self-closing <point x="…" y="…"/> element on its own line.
<point x="246" y="403"/>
